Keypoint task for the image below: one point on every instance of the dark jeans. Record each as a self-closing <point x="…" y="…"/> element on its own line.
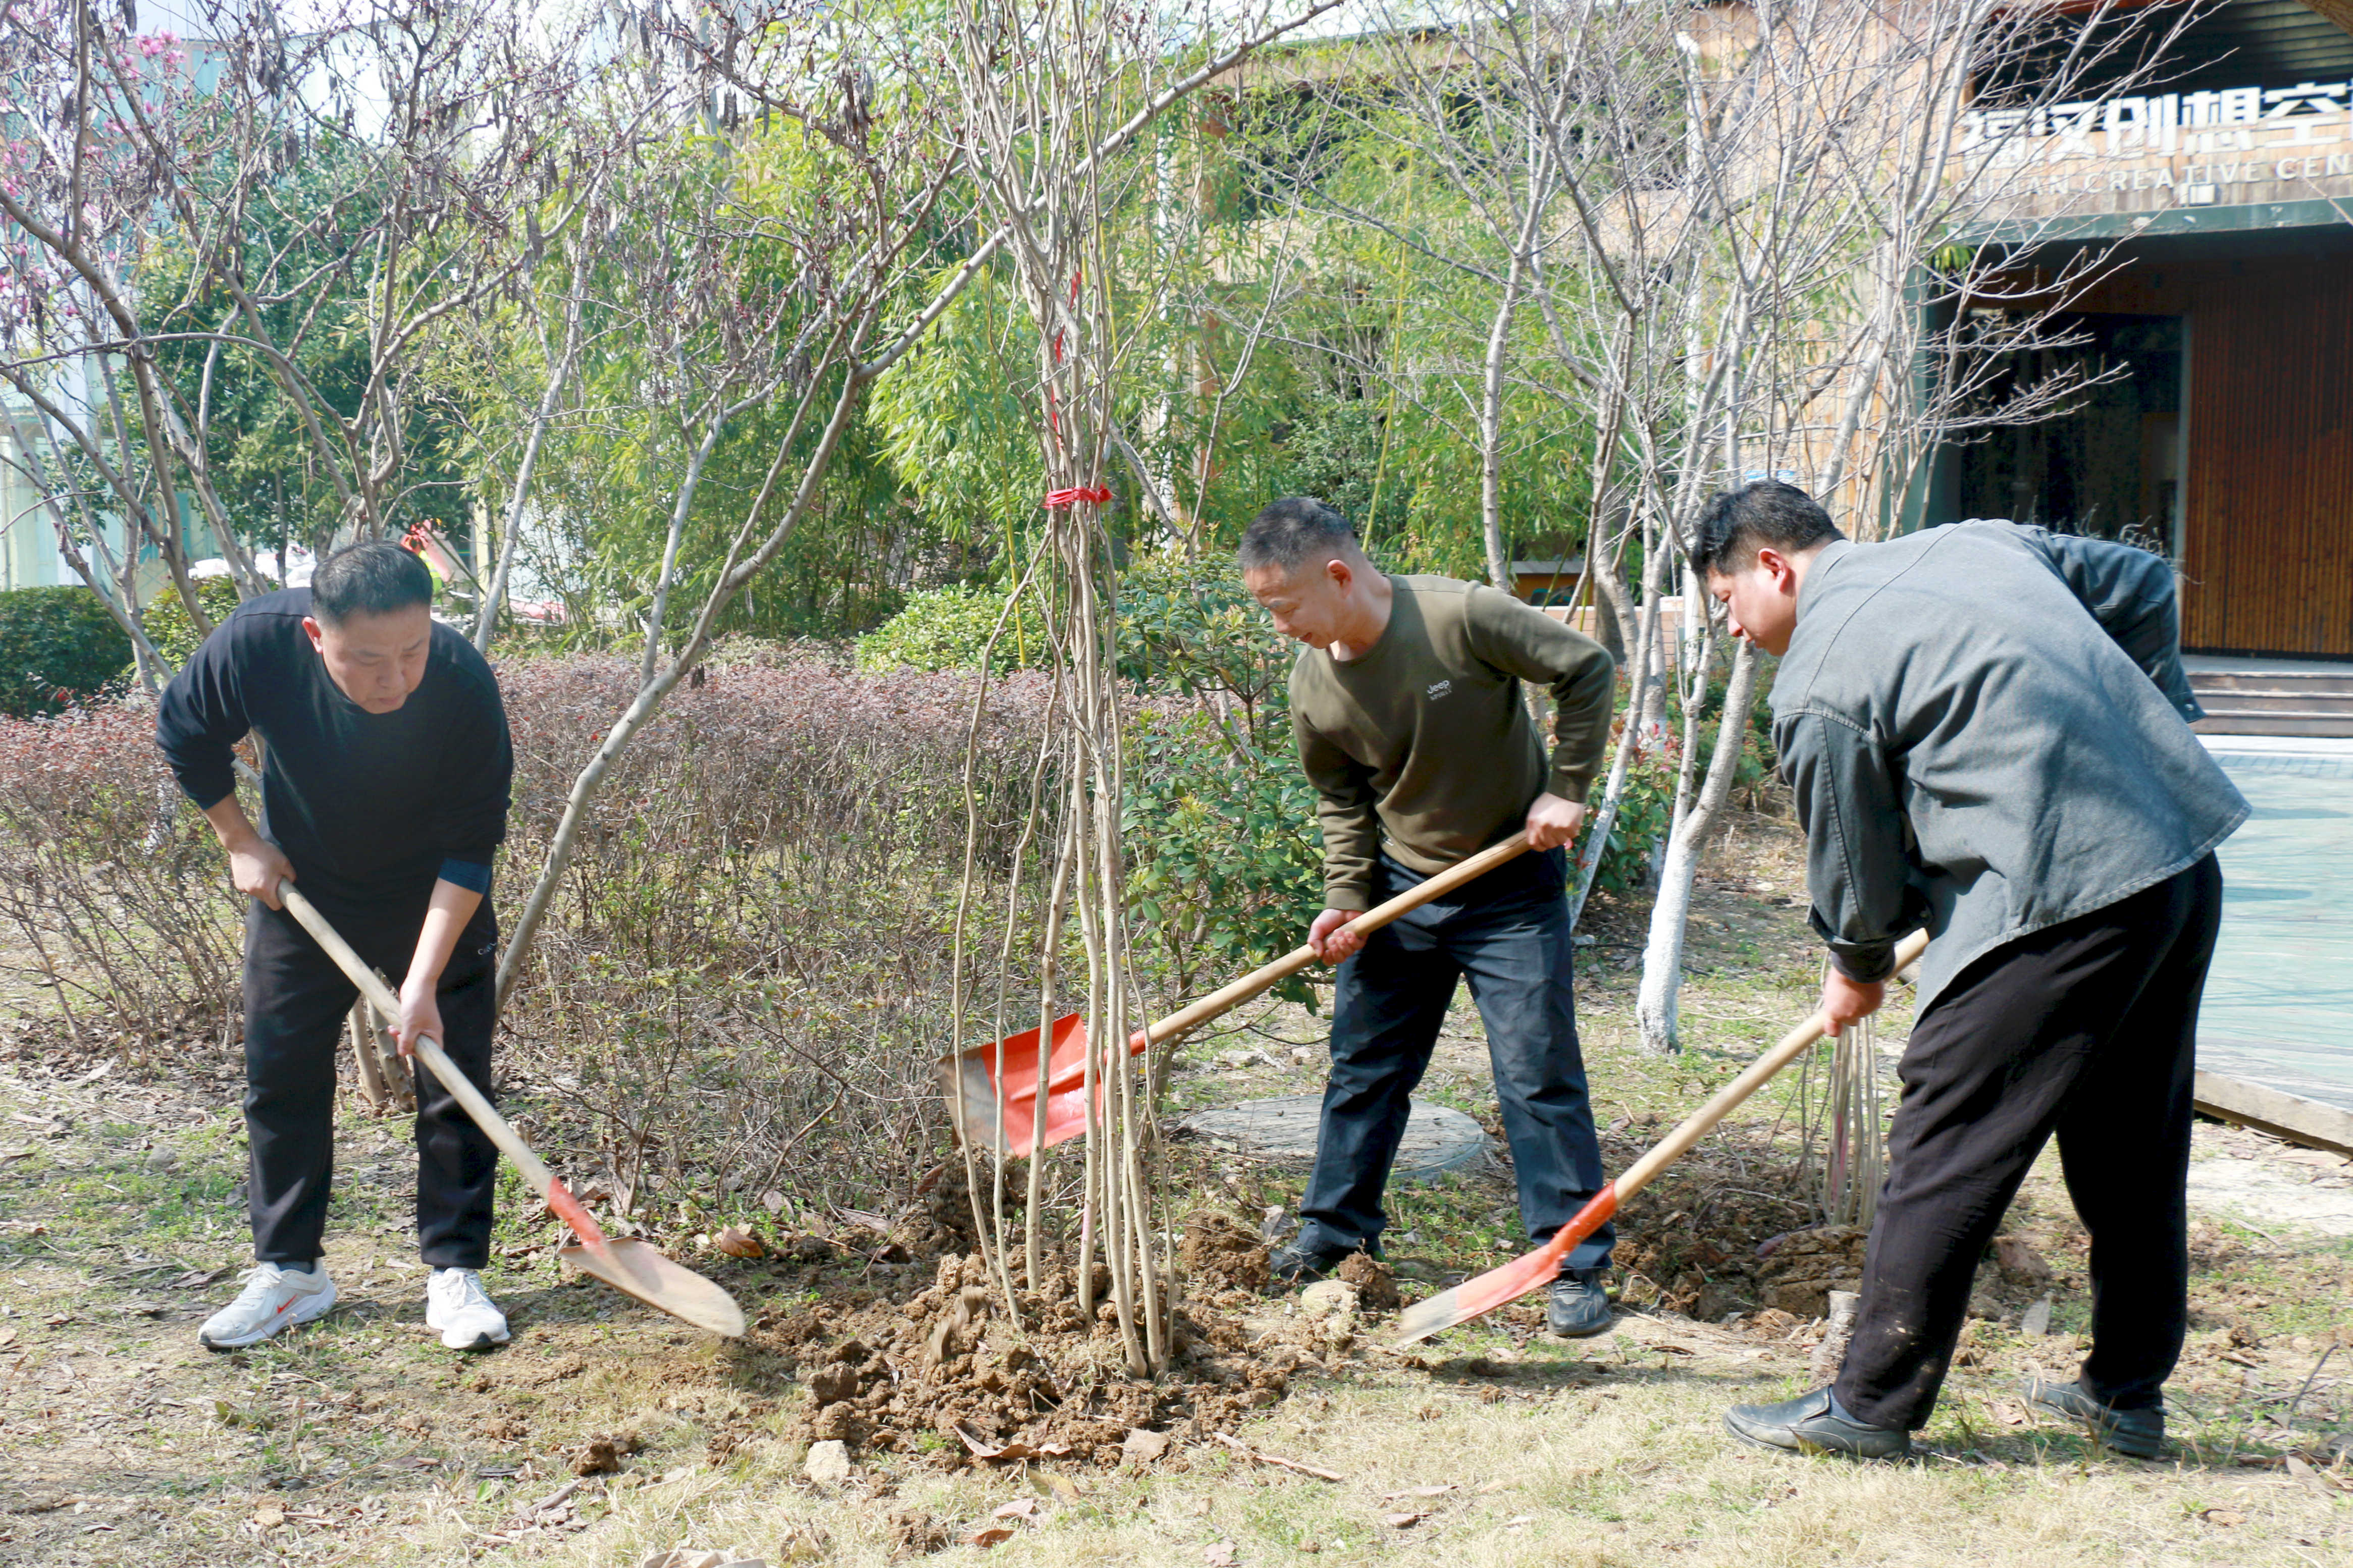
<point x="1508" y="934"/>
<point x="295" y="1003"/>
<point x="2087" y="1030"/>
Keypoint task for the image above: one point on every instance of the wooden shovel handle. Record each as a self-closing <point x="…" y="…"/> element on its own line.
<point x="535" y="1175"/>
<point x="1720" y="1104"/>
<point x="1258" y="980"/>
<point x="1483" y="1294"/>
<point x="1695" y="1126"/>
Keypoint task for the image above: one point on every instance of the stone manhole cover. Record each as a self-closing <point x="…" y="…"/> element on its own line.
<point x="1436" y="1138"/>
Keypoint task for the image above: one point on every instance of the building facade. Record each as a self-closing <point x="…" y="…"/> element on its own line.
<point x="2194" y="225"/>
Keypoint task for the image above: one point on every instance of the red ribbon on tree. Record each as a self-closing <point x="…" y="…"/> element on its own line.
<point x="1099" y="494"/>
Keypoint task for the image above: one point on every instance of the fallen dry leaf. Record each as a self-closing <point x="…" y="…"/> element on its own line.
<point x="1221" y="1555"/>
<point x="994" y="1535"/>
<point x="1405" y="1520"/>
<point x="1420" y="1491"/>
<point x="1019" y="1507"/>
<point x="737" y="1242"/>
<point x="2223" y="1516"/>
<point x="688" y="1557"/>
<point x="1062" y="1488"/>
<point x="2009" y="1415"/>
<point x="1144" y="1446"/>
<point x="269" y="1516"/>
<point x="983" y="1449"/>
<point x="2308" y="1477"/>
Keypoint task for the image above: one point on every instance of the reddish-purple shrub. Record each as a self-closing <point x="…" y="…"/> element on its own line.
<point x="745" y="973"/>
<point x="112" y="894"/>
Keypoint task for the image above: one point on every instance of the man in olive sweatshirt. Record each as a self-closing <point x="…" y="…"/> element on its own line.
<point x="1406" y="707"/>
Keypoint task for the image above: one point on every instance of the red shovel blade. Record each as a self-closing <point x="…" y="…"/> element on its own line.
<point x="971" y="1078"/>
<point x="1476" y="1298"/>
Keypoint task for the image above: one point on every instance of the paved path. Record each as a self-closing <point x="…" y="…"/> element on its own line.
<point x="2279" y="1004"/>
<point x="1438" y="1138"/>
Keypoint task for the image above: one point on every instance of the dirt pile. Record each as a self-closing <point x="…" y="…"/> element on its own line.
<point x="943" y="1373"/>
<point x="1376" y="1287"/>
<point x="1798" y="1271"/>
<point x="1688" y="1243"/>
<point x="1222" y="1254"/>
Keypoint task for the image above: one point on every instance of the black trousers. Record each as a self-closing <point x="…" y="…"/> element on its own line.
<point x="1508" y="935"/>
<point x="295" y="1004"/>
<point x="2087" y="1030"/>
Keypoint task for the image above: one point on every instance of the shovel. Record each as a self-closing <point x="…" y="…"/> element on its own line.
<point x="977" y="1095"/>
<point x="1476" y="1298"/>
<point x="630" y="1266"/>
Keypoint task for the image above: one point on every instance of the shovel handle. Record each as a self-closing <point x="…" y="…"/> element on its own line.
<point x="535" y="1175"/>
<point x="1476" y="1297"/>
<point x="1372" y="920"/>
<point x="1699" y="1122"/>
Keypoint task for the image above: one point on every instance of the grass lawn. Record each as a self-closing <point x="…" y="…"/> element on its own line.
<point x="359" y="1440"/>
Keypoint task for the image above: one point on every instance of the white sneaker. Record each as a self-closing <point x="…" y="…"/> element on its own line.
<point x="275" y="1297"/>
<point x="456" y="1304"/>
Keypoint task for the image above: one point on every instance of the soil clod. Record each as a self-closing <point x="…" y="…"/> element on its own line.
<point x="1377" y="1289"/>
<point x="1220" y="1253"/>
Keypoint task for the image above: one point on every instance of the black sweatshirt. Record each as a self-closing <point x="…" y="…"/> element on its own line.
<point x="366" y="805"/>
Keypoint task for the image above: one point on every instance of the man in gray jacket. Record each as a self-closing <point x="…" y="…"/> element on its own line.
<point x="1984" y="729"/>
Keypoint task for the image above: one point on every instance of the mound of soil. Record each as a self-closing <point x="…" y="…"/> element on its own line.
<point x="1690" y="1239"/>
<point x="942" y="1372"/>
<point x="1798" y="1271"/>
<point x="1377" y="1288"/>
<point x="1220" y="1253"/>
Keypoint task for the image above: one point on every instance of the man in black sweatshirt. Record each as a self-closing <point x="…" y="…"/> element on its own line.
<point x="385" y="789"/>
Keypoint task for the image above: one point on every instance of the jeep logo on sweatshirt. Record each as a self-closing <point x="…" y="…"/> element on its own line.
<point x="1440" y="688"/>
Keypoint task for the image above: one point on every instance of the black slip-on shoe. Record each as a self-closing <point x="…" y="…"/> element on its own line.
<point x="1578" y="1307"/>
<point x="1300" y="1263"/>
<point x="2139" y="1434"/>
<point x="1808" y="1424"/>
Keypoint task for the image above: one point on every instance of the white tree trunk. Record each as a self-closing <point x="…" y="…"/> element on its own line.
<point x="1663" y="958"/>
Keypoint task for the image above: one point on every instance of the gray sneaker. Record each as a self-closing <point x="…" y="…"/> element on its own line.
<point x="275" y="1297"/>
<point x="1578" y="1307"/>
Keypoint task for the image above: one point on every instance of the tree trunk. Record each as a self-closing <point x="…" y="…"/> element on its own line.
<point x="1491" y="439"/>
<point x="1663" y="958"/>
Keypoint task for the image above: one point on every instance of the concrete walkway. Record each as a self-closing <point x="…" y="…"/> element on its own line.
<point x="2279" y="1004"/>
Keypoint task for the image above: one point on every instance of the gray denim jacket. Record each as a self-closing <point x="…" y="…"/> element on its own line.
<point x="1985" y="727"/>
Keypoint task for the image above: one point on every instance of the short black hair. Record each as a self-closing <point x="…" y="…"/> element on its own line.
<point x="370" y="579"/>
<point x="1765" y="512"/>
<point x="1291" y="529"/>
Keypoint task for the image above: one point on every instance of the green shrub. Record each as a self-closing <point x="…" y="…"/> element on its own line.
<point x="1646" y="809"/>
<point x="948" y="628"/>
<point x="58" y="647"/>
<point x="169" y="628"/>
<point x="1193" y="624"/>
<point x="1226" y="864"/>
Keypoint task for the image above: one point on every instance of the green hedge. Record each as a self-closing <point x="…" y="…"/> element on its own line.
<point x="57" y="646"/>
<point x="947" y="628"/>
<point x="170" y="629"/>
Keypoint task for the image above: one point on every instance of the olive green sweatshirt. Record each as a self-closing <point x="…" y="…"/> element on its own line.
<point x="1422" y="739"/>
